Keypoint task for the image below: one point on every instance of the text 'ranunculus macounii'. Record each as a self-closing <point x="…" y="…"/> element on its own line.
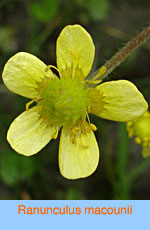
<point x="65" y="102"/>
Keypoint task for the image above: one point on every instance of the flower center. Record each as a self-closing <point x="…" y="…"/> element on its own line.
<point x="64" y="101"/>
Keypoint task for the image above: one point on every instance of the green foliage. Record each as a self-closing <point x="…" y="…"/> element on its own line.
<point x="7" y="43"/>
<point x="98" y="9"/>
<point x="43" y="10"/>
<point x="74" y="194"/>
<point x="16" y="168"/>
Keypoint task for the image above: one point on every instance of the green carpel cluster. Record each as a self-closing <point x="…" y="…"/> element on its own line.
<point x="64" y="101"/>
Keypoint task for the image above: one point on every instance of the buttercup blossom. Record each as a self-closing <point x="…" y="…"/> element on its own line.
<point x="65" y="101"/>
<point x="140" y="128"/>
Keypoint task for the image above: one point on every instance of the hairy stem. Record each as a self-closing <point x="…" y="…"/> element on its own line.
<point x="123" y="53"/>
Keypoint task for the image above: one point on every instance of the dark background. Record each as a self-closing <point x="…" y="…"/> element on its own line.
<point x="33" y="26"/>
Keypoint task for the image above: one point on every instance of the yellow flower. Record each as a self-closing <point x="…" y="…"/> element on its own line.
<point x="140" y="128"/>
<point x="66" y="101"/>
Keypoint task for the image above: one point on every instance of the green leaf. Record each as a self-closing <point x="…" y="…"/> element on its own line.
<point x="15" y="168"/>
<point x="98" y="9"/>
<point x="73" y="194"/>
<point x="43" y="11"/>
<point x="7" y="41"/>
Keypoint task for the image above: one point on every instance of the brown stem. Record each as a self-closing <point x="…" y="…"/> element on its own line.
<point x="123" y="53"/>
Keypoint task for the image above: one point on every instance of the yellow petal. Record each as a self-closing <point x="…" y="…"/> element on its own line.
<point x="78" y="159"/>
<point x="75" y="51"/>
<point x="120" y="101"/>
<point x="22" y="74"/>
<point x="28" y="134"/>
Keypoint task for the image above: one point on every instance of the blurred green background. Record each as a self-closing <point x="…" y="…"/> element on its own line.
<point x="33" y="26"/>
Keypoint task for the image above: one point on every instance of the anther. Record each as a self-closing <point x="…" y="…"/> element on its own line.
<point x="138" y="140"/>
<point x="73" y="140"/>
<point x="94" y="82"/>
<point x="101" y="72"/>
<point x="84" y="146"/>
<point x="54" y="67"/>
<point x="145" y="144"/>
<point x="76" y="131"/>
<point x="55" y="135"/>
<point x="130" y="133"/>
<point x="30" y="103"/>
<point x="93" y="127"/>
<point x="89" y="109"/>
<point x="129" y="123"/>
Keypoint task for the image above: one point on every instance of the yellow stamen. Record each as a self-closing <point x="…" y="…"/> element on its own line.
<point x="84" y="146"/>
<point x="55" y="135"/>
<point x="130" y="134"/>
<point x="30" y="103"/>
<point x="76" y="131"/>
<point x="94" y="82"/>
<point x="129" y="123"/>
<point x="87" y="117"/>
<point x="89" y="109"/>
<point x="54" y="67"/>
<point x="93" y="127"/>
<point x="145" y="144"/>
<point x="138" y="140"/>
<point x="100" y="73"/>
